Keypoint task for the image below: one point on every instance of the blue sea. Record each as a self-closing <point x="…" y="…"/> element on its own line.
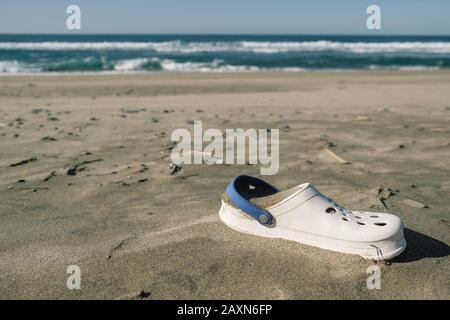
<point x="218" y="53"/>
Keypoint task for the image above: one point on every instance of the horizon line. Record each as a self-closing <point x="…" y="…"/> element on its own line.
<point x="226" y="34"/>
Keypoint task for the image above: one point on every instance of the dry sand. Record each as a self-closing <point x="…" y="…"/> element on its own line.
<point x="131" y="226"/>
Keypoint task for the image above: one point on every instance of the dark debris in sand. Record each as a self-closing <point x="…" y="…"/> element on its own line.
<point x="74" y="169"/>
<point x="23" y="162"/>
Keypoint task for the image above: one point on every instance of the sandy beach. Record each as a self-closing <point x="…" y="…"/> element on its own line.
<point x="85" y="180"/>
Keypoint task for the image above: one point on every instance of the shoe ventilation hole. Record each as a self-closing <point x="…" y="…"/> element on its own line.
<point x="380" y="224"/>
<point x="374" y="217"/>
<point x="361" y="223"/>
<point x="358" y="217"/>
<point x="345" y="219"/>
<point x="344" y="214"/>
<point x="251" y="187"/>
<point x="330" y="210"/>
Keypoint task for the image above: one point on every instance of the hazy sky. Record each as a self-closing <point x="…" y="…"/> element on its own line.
<point x="227" y="16"/>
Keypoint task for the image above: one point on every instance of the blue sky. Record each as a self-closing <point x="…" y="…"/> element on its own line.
<point x="227" y="16"/>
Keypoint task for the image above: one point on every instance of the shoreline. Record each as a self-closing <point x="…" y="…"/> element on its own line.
<point x="235" y="73"/>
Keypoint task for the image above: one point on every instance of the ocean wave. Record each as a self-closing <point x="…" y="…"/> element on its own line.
<point x="353" y="47"/>
<point x="265" y="47"/>
<point x="169" y="65"/>
<point x="130" y="64"/>
<point x="215" y="66"/>
<point x="16" y="67"/>
<point x="102" y="64"/>
<point x="416" y="68"/>
<point x="73" y="64"/>
<point x="403" y="68"/>
<point x="9" y="67"/>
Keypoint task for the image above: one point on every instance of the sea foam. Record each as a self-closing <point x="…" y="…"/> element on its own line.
<point x="268" y="47"/>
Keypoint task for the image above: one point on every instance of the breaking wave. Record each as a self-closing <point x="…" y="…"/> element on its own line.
<point x="238" y="46"/>
<point x="125" y="54"/>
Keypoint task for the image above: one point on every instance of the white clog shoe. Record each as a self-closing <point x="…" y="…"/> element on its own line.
<point x="305" y="215"/>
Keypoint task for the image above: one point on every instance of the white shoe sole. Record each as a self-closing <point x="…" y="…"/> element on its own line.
<point x="380" y="250"/>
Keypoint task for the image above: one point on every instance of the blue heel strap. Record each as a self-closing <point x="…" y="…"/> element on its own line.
<point x="240" y="191"/>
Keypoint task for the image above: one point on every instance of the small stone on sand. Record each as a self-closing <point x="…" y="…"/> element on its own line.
<point x="414" y="204"/>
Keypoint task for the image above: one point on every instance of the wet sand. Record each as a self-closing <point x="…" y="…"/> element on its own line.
<point x="85" y="180"/>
